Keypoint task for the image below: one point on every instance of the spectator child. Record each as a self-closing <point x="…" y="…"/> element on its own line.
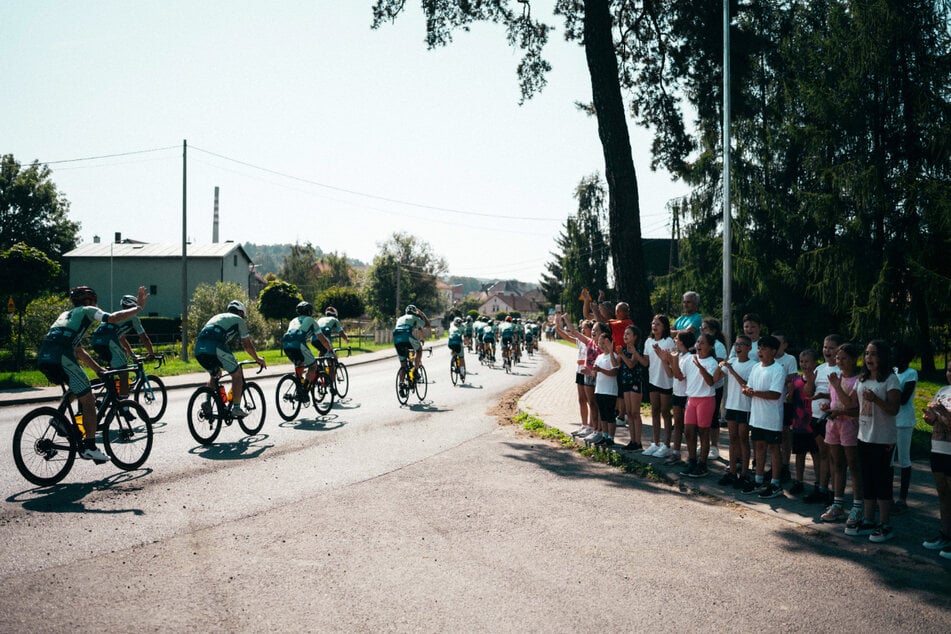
<point x="580" y="339"/>
<point x="938" y="415"/>
<point x="765" y="389"/>
<point x="842" y="436"/>
<point x="592" y="350"/>
<point x="879" y="399"/>
<point x="738" y="368"/>
<point x="788" y="361"/>
<point x="700" y="373"/>
<point x="674" y="362"/>
<point x="632" y="382"/>
<point x="604" y="372"/>
<point x="904" y="422"/>
<point x="712" y="326"/>
<point x="817" y="389"/>
<point x="660" y="385"/>
<point x="803" y="436"/>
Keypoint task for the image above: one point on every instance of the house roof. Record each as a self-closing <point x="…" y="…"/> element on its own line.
<point x="154" y="250"/>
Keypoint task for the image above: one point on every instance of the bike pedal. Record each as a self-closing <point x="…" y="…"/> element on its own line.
<point x="100" y="461"/>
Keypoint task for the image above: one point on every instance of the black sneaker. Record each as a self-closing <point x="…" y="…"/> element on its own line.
<point x="607" y="441"/>
<point x="815" y="497"/>
<point x="770" y="491"/>
<point x="688" y="470"/>
<point x="728" y="479"/>
<point x="862" y="528"/>
<point x="750" y="487"/>
<point x="796" y="487"/>
<point x="700" y="470"/>
<point x="740" y="482"/>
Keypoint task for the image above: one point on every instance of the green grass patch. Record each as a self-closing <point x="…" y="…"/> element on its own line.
<point x="537" y="427"/>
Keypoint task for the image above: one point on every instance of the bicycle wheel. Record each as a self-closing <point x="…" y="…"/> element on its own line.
<point x="402" y="386"/>
<point x="322" y="394"/>
<point x="42" y="456"/>
<point x="151" y="395"/>
<point x="462" y="373"/>
<point x="203" y="420"/>
<point x="252" y="400"/>
<point x="342" y="382"/>
<point x="453" y="371"/>
<point x="288" y="405"/>
<point x="128" y="441"/>
<point x="421" y="384"/>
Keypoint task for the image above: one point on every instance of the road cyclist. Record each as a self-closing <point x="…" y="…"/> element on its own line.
<point x="295" y="390"/>
<point x="111" y="345"/>
<point x="457" y="363"/>
<point x="61" y="352"/>
<point x="507" y="342"/>
<point x="488" y="341"/>
<point x="410" y="327"/>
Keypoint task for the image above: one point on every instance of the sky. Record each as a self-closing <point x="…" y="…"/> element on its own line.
<point x="314" y="127"/>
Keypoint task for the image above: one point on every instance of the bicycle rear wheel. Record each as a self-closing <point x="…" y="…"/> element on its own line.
<point x="402" y="386"/>
<point x="127" y="438"/>
<point x="288" y="403"/>
<point x="252" y="401"/>
<point x="422" y="383"/>
<point x="151" y="395"/>
<point x="322" y="394"/>
<point x="203" y="419"/>
<point x="342" y="382"/>
<point x="453" y="370"/>
<point x="42" y="456"/>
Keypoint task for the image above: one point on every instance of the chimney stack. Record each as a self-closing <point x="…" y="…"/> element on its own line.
<point x="214" y="226"/>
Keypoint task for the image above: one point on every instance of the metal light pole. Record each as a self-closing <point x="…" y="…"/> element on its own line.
<point x="727" y="213"/>
<point x="184" y="354"/>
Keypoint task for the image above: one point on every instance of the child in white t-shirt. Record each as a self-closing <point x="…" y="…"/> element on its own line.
<point x="738" y="367"/>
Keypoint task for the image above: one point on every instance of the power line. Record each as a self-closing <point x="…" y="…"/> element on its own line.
<point x="105" y="156"/>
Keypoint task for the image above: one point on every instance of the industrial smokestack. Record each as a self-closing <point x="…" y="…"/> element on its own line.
<point x="214" y="226"/>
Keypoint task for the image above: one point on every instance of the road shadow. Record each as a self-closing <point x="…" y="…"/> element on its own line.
<point x="242" y="449"/>
<point x="347" y="403"/>
<point x="329" y="422"/>
<point x="425" y="406"/>
<point x="67" y="498"/>
<point x="470" y="386"/>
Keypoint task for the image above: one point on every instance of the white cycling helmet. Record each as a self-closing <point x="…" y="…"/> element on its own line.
<point x="237" y="307"/>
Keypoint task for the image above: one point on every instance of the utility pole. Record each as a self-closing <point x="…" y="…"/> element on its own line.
<point x="399" y="274"/>
<point x="727" y="310"/>
<point x="184" y="354"/>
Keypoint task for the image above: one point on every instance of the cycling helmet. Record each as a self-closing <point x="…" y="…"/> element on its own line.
<point x="128" y="301"/>
<point x="80" y="294"/>
<point x="411" y="310"/>
<point x="331" y="311"/>
<point x="509" y="318"/>
<point x="305" y="308"/>
<point x="457" y="321"/>
<point x="237" y="307"/>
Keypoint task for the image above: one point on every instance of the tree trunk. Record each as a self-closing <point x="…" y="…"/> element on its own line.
<point x="623" y="208"/>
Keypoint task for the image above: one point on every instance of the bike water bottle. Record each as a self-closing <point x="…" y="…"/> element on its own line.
<point x="221" y="394"/>
<point x="79" y="424"/>
<point x="230" y="396"/>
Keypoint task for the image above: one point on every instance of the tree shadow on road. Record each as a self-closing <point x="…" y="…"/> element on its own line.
<point x="67" y="498"/>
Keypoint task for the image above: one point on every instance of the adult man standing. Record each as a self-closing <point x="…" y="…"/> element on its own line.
<point x="691" y="320"/>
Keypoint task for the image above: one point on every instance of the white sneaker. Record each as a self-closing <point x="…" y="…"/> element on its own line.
<point x="237" y="412"/>
<point x="662" y="452"/>
<point x="594" y="437"/>
<point x="714" y="453"/>
<point x="94" y="453"/>
<point x="650" y="451"/>
<point x="621" y="421"/>
<point x="582" y="431"/>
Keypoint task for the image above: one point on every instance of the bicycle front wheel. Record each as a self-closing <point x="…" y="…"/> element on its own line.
<point x="422" y="383"/>
<point x="252" y="400"/>
<point x="342" y="380"/>
<point x="203" y="421"/>
<point x="127" y="435"/>
<point x="453" y="371"/>
<point x="41" y="454"/>
<point x="402" y="386"/>
<point x="151" y="395"/>
<point x="322" y="394"/>
<point x="288" y="404"/>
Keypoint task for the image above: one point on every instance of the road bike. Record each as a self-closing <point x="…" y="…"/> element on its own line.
<point x="295" y="392"/>
<point x="148" y="390"/>
<point x="411" y="379"/>
<point x="507" y="357"/>
<point x="457" y="370"/>
<point x="210" y="406"/>
<point x="333" y="366"/>
<point x="47" y="440"/>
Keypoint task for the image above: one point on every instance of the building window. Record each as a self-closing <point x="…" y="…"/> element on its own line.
<point x="153" y="290"/>
<point x="235" y="261"/>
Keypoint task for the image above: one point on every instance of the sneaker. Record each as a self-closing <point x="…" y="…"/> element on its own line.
<point x="882" y="533"/>
<point x="593" y="437"/>
<point x="662" y="452"/>
<point x="750" y="487"/>
<point x="582" y="431"/>
<point x="650" y="451"/>
<point x="621" y="421"/>
<point x="728" y="479"/>
<point x="945" y="552"/>
<point x="607" y="441"/>
<point x="862" y="528"/>
<point x="937" y="543"/>
<point x="91" y="452"/>
<point x="237" y="412"/>
<point x="673" y="458"/>
<point x="634" y="447"/>
<point x="603" y="440"/>
<point x="856" y="516"/>
<point x="834" y="513"/>
<point x="740" y="482"/>
<point x="700" y="471"/>
<point x="714" y="453"/>
<point x="770" y="491"/>
<point x="797" y="487"/>
<point x="691" y="465"/>
<point x="815" y="497"/>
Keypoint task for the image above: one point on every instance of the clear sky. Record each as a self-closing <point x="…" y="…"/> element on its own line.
<point x="315" y="127"/>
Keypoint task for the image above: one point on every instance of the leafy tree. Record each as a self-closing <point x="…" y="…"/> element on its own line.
<point x="300" y="268"/>
<point x="26" y="273"/>
<point x="279" y="300"/>
<point x="346" y="300"/>
<point x="39" y="314"/>
<point x="335" y="270"/>
<point x="209" y="300"/>
<point x="407" y="268"/>
<point x="32" y="210"/>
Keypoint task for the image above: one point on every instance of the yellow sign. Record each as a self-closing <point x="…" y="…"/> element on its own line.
<point x="11" y="307"/>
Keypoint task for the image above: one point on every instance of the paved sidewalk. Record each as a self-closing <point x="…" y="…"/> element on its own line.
<point x="555" y="402"/>
<point x="24" y="396"/>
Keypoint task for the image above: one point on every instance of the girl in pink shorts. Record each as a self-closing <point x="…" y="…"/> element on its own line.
<point x="701" y="373"/>
<point x="842" y="431"/>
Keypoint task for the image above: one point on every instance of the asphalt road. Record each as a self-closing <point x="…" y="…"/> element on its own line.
<point x="430" y="518"/>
